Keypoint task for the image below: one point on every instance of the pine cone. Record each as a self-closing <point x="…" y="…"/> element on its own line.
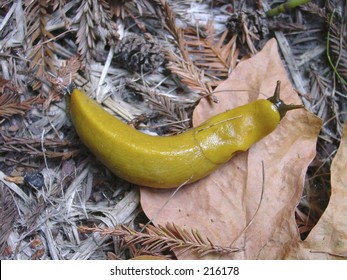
<point x="255" y="20"/>
<point x="138" y="54"/>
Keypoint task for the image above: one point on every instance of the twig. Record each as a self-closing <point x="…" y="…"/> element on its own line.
<point x="285" y="7"/>
<point x="104" y="72"/>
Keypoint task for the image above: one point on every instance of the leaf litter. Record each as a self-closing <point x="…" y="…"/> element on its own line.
<point x="37" y="140"/>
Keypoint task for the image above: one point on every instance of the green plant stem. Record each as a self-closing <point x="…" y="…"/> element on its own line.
<point x="333" y="66"/>
<point x="285" y="7"/>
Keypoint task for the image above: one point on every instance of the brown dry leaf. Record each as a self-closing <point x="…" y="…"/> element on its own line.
<point x="328" y="239"/>
<point x="223" y="205"/>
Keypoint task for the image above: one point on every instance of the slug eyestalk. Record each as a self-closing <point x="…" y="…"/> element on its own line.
<point x="281" y="106"/>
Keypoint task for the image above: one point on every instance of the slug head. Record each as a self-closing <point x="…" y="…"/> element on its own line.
<point x="280" y="105"/>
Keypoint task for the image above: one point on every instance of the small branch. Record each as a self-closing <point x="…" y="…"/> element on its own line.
<point x="285" y="7"/>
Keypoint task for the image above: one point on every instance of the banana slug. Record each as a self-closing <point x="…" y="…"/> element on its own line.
<point x="170" y="161"/>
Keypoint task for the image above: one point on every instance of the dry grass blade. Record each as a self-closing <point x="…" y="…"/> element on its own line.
<point x="170" y="237"/>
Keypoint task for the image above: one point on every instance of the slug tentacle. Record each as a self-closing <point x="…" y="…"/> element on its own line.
<point x="281" y="106"/>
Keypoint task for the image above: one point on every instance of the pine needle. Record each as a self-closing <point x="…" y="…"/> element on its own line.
<point x="161" y="238"/>
<point x="10" y="104"/>
<point x="41" y="41"/>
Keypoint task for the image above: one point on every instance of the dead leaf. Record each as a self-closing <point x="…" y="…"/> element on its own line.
<point x="328" y="239"/>
<point x="223" y="206"/>
<point x="15" y="179"/>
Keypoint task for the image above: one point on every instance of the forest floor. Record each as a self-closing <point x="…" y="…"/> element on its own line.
<point x="148" y="62"/>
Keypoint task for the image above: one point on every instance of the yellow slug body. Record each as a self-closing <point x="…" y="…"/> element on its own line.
<point x="170" y="161"/>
